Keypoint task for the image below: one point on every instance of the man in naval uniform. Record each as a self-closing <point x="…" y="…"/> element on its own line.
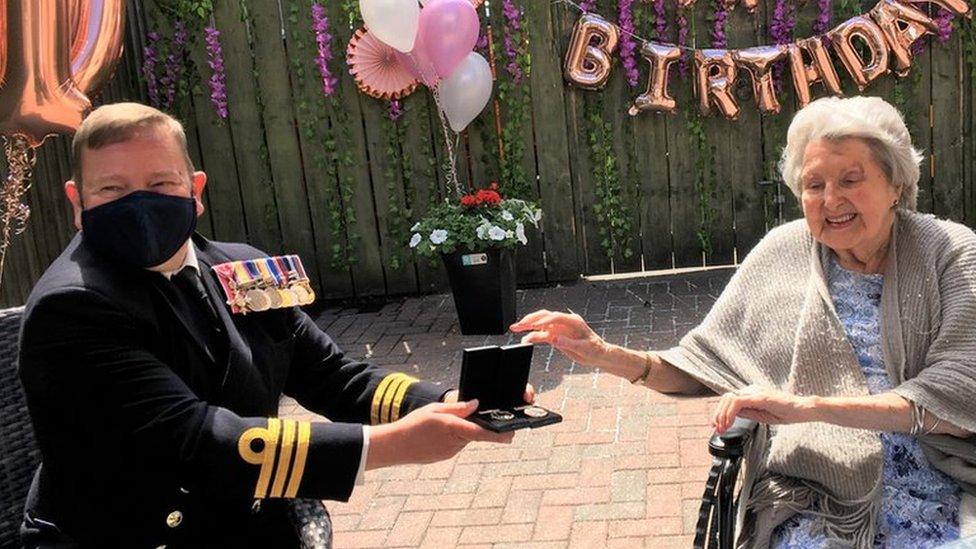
<point x="155" y="406"/>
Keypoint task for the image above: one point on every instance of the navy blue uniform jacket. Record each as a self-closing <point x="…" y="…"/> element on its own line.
<point x="137" y="420"/>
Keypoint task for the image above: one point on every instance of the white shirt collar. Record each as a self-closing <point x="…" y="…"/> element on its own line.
<point x="189" y="261"/>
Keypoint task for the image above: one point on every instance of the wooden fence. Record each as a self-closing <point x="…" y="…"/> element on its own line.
<point x="340" y="184"/>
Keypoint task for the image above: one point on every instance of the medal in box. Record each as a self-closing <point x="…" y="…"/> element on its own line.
<point x="497" y="376"/>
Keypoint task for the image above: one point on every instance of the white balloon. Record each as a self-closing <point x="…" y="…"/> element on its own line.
<point x="466" y="91"/>
<point x="394" y="22"/>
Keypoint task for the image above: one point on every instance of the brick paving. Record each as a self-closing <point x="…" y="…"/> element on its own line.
<point x="625" y="468"/>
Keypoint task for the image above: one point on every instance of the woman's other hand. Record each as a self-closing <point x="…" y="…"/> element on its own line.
<point x="763" y="405"/>
<point x="567" y="332"/>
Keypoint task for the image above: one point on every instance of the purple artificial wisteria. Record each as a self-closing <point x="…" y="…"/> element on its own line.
<point x="944" y="21"/>
<point x="174" y="65"/>
<point x="587" y="5"/>
<point x="396" y="110"/>
<point x="719" y="40"/>
<point x="660" y="20"/>
<point x="513" y="24"/>
<point x="822" y="24"/>
<point x="150" y="58"/>
<point x="682" y="42"/>
<point x="218" y="78"/>
<point x="628" y="46"/>
<point x="781" y="31"/>
<point x="320" y="24"/>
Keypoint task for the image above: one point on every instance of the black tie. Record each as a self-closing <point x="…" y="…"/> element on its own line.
<point x="188" y="280"/>
<point x="203" y="315"/>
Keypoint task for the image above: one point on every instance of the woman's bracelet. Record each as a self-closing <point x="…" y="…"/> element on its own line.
<point x="918" y="421"/>
<point x="641" y="379"/>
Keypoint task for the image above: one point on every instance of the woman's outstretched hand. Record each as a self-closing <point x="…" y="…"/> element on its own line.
<point x="568" y="333"/>
<point x="763" y="405"/>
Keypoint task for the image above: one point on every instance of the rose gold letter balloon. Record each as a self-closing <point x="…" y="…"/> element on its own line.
<point x="97" y="42"/>
<point x="759" y="62"/>
<point x="891" y="16"/>
<point x="715" y="73"/>
<point x="957" y="7"/>
<point x="820" y="69"/>
<point x="656" y="98"/>
<point x="863" y="72"/>
<point x="588" y="60"/>
<point x="37" y="95"/>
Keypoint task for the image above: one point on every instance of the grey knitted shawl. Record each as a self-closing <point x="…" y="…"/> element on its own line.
<point x="775" y="325"/>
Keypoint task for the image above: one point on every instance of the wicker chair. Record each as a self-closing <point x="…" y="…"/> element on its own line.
<point x="716" y="518"/>
<point x="19" y="455"/>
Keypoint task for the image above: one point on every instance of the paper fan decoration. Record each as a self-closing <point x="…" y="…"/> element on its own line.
<point x="374" y="66"/>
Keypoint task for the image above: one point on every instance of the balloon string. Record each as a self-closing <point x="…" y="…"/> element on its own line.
<point x="450" y="164"/>
<point x="13" y="217"/>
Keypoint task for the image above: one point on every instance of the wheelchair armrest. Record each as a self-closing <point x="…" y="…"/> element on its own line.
<point x="734" y="441"/>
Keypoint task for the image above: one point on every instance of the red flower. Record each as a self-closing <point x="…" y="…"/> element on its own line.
<point x="487" y="196"/>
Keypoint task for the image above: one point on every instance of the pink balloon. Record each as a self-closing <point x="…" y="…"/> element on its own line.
<point x="419" y="63"/>
<point x="447" y="33"/>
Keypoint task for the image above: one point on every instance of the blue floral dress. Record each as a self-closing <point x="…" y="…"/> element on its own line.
<point x="919" y="504"/>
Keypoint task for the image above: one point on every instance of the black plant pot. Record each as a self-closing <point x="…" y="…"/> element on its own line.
<point x="483" y="284"/>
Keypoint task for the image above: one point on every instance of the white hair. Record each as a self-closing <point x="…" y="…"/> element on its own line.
<point x="870" y="119"/>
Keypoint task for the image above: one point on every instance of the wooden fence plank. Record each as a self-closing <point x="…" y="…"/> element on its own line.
<point x="281" y="139"/>
<point x="250" y="149"/>
<point x="321" y="186"/>
<point x="744" y="146"/>
<point x="216" y="151"/>
<point x="552" y="144"/>
<point x="347" y="117"/>
<point x="425" y="188"/>
<point x="947" y="137"/>
<point x="389" y="202"/>
<point x="683" y="154"/>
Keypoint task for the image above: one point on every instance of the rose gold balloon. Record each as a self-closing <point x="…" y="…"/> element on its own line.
<point x="37" y="96"/>
<point x="957" y="7"/>
<point x="863" y="72"/>
<point x="891" y="16"/>
<point x="759" y="62"/>
<point x="685" y="4"/>
<point x="715" y="74"/>
<point x="656" y="98"/>
<point x="750" y="5"/>
<point x="97" y="46"/>
<point x="821" y="69"/>
<point x="588" y="60"/>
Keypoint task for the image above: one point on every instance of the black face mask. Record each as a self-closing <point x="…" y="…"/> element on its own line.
<point x="142" y="229"/>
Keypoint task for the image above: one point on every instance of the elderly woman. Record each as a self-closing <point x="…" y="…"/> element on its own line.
<point x="851" y="334"/>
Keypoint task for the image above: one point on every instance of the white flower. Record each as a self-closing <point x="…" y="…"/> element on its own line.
<point x="496" y="233"/>
<point x="438" y="236"/>
<point x="415" y="240"/>
<point x="520" y="234"/>
<point x="507" y="215"/>
<point x="415" y="228"/>
<point x="482" y="230"/>
<point x="537" y="215"/>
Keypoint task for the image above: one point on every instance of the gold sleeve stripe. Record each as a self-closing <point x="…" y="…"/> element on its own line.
<point x="374" y="416"/>
<point x="387" y="406"/>
<point x="265" y="457"/>
<point x="398" y="399"/>
<point x="284" y="459"/>
<point x="301" y="452"/>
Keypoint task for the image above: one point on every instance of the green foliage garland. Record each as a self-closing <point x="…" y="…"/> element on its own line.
<point x="612" y="209"/>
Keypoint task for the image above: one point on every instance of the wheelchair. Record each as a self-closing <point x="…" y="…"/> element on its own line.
<point x="716" y="517"/>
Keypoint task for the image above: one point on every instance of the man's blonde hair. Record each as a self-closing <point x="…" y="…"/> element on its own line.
<point x="118" y="122"/>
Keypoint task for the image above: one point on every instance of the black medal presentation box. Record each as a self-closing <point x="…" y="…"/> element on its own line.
<point x="496" y="376"/>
